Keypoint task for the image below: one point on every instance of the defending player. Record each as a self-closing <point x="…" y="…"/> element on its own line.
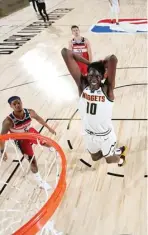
<point x="20" y="121"/>
<point x="81" y="46"/>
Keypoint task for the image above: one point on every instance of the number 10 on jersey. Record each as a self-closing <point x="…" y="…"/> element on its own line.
<point x="91" y="108"/>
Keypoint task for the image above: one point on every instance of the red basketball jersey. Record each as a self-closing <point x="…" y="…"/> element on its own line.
<point x="20" y="125"/>
<point x="81" y="49"/>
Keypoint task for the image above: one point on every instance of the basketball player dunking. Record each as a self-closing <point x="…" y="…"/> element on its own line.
<point x="81" y="46"/>
<point x="95" y="106"/>
<point x="20" y="121"/>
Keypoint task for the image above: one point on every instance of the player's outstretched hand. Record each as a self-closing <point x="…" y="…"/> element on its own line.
<point x="53" y="132"/>
<point x="52" y="129"/>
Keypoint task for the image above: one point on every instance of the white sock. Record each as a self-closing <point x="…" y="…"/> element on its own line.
<point x="38" y="177"/>
<point x="118" y="151"/>
<point x="121" y="161"/>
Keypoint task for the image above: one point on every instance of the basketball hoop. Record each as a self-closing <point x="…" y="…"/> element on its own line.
<point x="40" y="220"/>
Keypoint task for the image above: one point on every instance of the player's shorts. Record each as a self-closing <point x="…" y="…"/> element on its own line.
<point x="25" y="146"/>
<point x="105" y="143"/>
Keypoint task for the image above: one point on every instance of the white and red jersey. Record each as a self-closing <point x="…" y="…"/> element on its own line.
<point x="80" y="47"/>
<point x="96" y="111"/>
<point x="21" y="125"/>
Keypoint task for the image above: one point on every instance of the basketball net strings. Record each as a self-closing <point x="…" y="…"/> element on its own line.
<point x="1" y="160"/>
<point x="10" y="220"/>
<point x="49" y="227"/>
<point x="51" y="149"/>
<point x="2" y="156"/>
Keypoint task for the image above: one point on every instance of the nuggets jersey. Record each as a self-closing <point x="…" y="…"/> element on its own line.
<point x="95" y="111"/>
<point x="20" y="125"/>
<point x="80" y="48"/>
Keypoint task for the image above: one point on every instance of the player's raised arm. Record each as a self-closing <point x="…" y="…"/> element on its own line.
<point x="111" y="64"/>
<point x="70" y="59"/>
<point x="89" y="50"/>
<point x="70" y="46"/>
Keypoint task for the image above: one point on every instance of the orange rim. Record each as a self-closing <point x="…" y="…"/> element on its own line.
<point x="38" y="221"/>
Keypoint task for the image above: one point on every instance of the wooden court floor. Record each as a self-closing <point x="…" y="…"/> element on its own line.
<point x="102" y="199"/>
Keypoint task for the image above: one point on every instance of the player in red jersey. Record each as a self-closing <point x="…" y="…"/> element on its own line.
<point x="19" y="121"/>
<point x="81" y="46"/>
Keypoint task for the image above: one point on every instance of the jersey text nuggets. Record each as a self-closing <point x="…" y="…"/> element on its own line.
<point x="93" y="97"/>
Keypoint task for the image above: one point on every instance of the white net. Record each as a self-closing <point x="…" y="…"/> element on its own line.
<point x="21" y="197"/>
